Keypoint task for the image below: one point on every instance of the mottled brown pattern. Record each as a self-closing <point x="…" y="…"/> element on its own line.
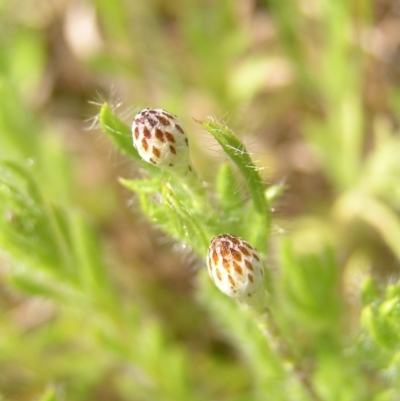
<point x="152" y="122"/>
<point x="244" y="250"/>
<point x="237" y="268"/>
<point x="156" y="152"/>
<point x="145" y="145"/>
<point x="187" y="142"/>
<point x="163" y="120"/>
<point x="236" y="255"/>
<point x="167" y="114"/>
<point x="236" y="241"/>
<point x="158" y="127"/>
<point x="256" y="257"/>
<point x="160" y="135"/>
<point x="146" y="133"/>
<point x="170" y="137"/>
<point x="179" y="128"/>
<point x="215" y="257"/>
<point x="225" y="249"/>
<point x="226" y="265"/>
<point x="218" y="274"/>
<point x="248" y="264"/>
<point x="240" y="272"/>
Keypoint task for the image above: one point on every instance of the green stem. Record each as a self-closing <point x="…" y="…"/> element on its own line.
<point x="271" y="331"/>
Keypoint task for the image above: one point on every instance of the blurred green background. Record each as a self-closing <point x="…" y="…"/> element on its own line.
<point x="311" y="87"/>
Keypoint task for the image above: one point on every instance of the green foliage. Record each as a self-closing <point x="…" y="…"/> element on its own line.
<point x="310" y="283"/>
<point x="118" y="133"/>
<point x="95" y="305"/>
<point x="178" y="206"/>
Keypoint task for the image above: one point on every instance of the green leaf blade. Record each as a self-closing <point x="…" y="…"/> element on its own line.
<point x="235" y="149"/>
<point x="118" y="132"/>
<point x="120" y="135"/>
<point x="238" y="153"/>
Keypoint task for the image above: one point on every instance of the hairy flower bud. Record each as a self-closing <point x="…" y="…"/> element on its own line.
<point x="160" y="140"/>
<point x="235" y="267"/>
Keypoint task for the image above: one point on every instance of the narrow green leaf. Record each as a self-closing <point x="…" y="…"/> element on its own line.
<point x="118" y="132"/>
<point x="228" y="189"/>
<point x="309" y="282"/>
<point x="235" y="149"/>
<point x="230" y="210"/>
<point x="86" y="249"/>
<point x="25" y="233"/>
<point x="120" y="135"/>
<point x="35" y="285"/>
<point x="142" y="186"/>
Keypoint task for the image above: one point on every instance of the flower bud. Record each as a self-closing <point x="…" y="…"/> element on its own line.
<point x="235" y="267"/>
<point x="160" y="140"/>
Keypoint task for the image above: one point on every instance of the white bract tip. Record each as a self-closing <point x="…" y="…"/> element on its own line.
<point x="160" y="139"/>
<point x="235" y="267"/>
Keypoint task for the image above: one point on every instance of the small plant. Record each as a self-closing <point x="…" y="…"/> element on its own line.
<point x="198" y="220"/>
<point x="232" y="237"/>
<point x="316" y="312"/>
